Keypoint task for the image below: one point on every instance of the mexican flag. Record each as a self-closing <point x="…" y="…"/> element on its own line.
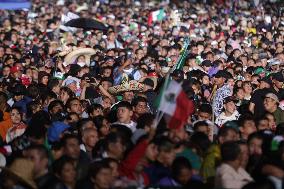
<point x="174" y="104"/>
<point x="155" y="16"/>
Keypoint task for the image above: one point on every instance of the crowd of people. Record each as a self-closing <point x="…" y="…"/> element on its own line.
<point x="77" y="106"/>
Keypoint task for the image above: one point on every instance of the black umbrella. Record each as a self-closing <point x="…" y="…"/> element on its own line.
<point x="86" y="23"/>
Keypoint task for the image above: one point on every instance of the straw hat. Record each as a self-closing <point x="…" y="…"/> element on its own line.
<point x="87" y="52"/>
<point x="22" y="170"/>
<point x="126" y="85"/>
<point x="132" y="85"/>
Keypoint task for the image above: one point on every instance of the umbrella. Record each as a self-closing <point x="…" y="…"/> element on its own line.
<point x="86" y="23"/>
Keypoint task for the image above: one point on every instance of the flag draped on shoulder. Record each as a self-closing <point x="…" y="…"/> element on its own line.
<point x="174" y="104"/>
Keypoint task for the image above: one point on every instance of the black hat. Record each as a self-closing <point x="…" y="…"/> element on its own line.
<point x="19" y="89"/>
<point x="206" y="63"/>
<point x="278" y="76"/>
<point x="148" y="82"/>
<point x="266" y="80"/>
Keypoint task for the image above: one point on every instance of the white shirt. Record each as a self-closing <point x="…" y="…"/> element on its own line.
<point x="228" y="178"/>
<point x="131" y="125"/>
<point x="222" y="118"/>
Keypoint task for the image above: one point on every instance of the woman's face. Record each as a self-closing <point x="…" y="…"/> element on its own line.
<point x="68" y="173"/>
<point x="106" y="103"/>
<point x="247" y="88"/>
<point x="240" y="94"/>
<point x="104" y="130"/>
<point x="184" y="176"/>
<point x="64" y="96"/>
<point x="29" y="73"/>
<point x="255" y="146"/>
<point x="44" y="80"/>
<point x="81" y="59"/>
<point x="205" y="80"/>
<point x="151" y="152"/>
<point x="15" y="116"/>
<point x="103" y="179"/>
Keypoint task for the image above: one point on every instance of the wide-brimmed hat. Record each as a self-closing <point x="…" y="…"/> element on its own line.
<point x="22" y="170"/>
<point x="72" y="56"/>
<point x="132" y="85"/>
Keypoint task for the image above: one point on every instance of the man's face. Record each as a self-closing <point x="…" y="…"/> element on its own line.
<point x="204" y="129"/>
<point x="219" y="81"/>
<point x="117" y="149"/>
<point x="244" y="155"/>
<point x="72" y="148"/>
<point x="57" y="108"/>
<point x="91" y="138"/>
<point x="6" y="72"/>
<point x="140" y="108"/>
<point x="76" y="107"/>
<point x="255" y="147"/>
<point x="40" y="164"/>
<point x="124" y="115"/>
<point x="97" y="112"/>
<point x="204" y="116"/>
<point x="151" y="152"/>
<point x="107" y="73"/>
<point x="230" y="107"/>
<point x="269" y="104"/>
<point x="231" y="136"/>
<point x="263" y="124"/>
<point x="248" y="127"/>
<point x="103" y="179"/>
<point x="72" y="86"/>
<point x="167" y="157"/>
<point x="128" y="96"/>
<point x="278" y="84"/>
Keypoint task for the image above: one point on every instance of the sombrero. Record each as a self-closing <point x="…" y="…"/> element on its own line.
<point x="126" y="85"/>
<point x="87" y="52"/>
<point x="22" y="170"/>
<point x="132" y="85"/>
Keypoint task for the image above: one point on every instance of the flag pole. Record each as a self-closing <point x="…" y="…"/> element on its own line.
<point x="179" y="64"/>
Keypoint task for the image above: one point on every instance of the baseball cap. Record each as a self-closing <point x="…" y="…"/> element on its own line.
<point x="272" y="96"/>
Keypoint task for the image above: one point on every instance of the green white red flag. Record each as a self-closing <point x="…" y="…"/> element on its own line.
<point x="174" y="104"/>
<point x="155" y="16"/>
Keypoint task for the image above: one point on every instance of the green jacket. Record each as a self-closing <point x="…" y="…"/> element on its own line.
<point x="279" y="116"/>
